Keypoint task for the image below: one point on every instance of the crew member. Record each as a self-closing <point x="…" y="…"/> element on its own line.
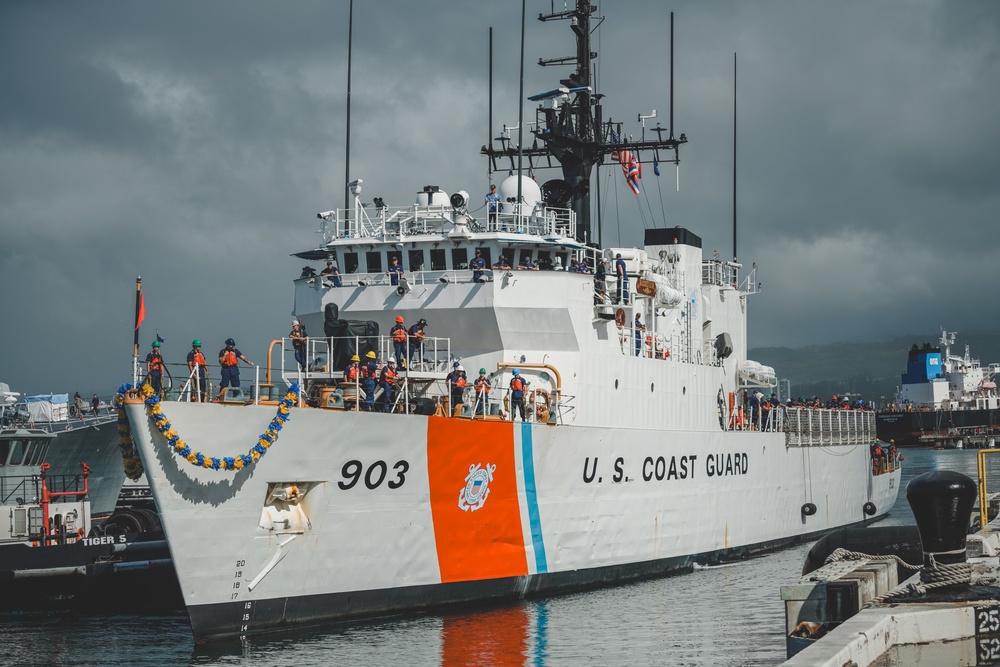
<point x="395" y="271"/>
<point x="388" y="381"/>
<point x="640" y="330"/>
<point x="457" y="380"/>
<point x="353" y="372"/>
<point x="368" y="376"/>
<point x="95" y="404"/>
<point x="398" y="333"/>
<point x="196" y="360"/>
<point x="622" y="293"/>
<point x="416" y="337"/>
<point x="298" y="336"/>
<point x="331" y="274"/>
<point x="482" y="387"/>
<point x="502" y="263"/>
<point x="229" y="359"/>
<point x="154" y="367"/>
<point x="494" y="203"/>
<point x="477" y="266"/>
<point x="517" y="388"/>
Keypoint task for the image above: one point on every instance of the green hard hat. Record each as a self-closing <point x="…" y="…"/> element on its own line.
<point x="482" y="370"/>
<point x="196" y="343"/>
<point x="156" y="343"/>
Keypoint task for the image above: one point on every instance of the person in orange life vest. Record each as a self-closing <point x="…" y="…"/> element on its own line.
<point x="457" y="379"/>
<point x="388" y="381"/>
<point x="154" y="367"/>
<point x="395" y="271"/>
<point x="416" y="336"/>
<point x="298" y="336"/>
<point x="368" y="376"/>
<point x="353" y="372"/>
<point x="398" y="333"/>
<point x="195" y="357"/>
<point x="482" y="387"/>
<point x="229" y="359"/>
<point x="517" y="388"/>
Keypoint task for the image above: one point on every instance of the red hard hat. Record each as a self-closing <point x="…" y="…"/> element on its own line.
<point x="399" y="318"/>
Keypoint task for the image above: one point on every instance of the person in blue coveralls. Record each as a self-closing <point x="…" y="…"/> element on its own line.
<point x="517" y="388"/>
<point x="457" y="379"/>
<point x="622" y="292"/>
<point x="416" y="336"/>
<point x="368" y="374"/>
<point x="640" y="329"/>
<point x="395" y="271"/>
<point x="477" y="266"/>
<point x="754" y="403"/>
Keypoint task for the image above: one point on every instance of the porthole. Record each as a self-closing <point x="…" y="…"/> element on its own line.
<point x="684" y="391"/>
<point x="651" y="387"/>
<point x="616" y="385"/>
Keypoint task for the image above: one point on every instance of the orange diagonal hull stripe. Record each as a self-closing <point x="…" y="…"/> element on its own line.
<point x="485" y="543"/>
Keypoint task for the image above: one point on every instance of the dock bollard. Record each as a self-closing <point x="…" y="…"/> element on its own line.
<point x="942" y="502"/>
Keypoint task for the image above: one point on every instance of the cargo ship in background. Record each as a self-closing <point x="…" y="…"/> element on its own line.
<point x="636" y="455"/>
<point x="943" y="400"/>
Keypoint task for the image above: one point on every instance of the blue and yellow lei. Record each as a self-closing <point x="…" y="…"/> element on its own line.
<point x="264" y="440"/>
<point x="130" y="454"/>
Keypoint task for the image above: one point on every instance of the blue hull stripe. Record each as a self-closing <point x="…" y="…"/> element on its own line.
<point x="532" y="497"/>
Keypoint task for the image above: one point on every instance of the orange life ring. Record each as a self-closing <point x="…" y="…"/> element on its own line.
<point x="620" y="317"/>
<point x="540" y="408"/>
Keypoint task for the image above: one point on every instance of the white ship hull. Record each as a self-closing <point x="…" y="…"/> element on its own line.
<point x="405" y="528"/>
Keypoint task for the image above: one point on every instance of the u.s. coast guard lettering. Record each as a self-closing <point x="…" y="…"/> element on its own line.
<point x="662" y="468"/>
<point x="477" y="487"/>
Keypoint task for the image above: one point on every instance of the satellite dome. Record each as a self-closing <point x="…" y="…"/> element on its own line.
<point x="530" y="192"/>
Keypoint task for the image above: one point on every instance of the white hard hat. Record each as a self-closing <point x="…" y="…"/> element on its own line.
<point x="295" y="323"/>
<point x="392" y="360"/>
<point x="459" y="367"/>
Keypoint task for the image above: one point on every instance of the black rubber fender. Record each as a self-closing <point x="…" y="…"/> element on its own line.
<point x="808" y="509"/>
<point x="870" y="509"/>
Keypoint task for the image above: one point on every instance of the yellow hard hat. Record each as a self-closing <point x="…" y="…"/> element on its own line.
<point x="370" y="355"/>
<point x="355" y="358"/>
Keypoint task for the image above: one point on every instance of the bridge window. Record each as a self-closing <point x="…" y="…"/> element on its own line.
<point x="391" y="255"/>
<point x="350" y="262"/>
<point x="4" y="448"/>
<point x="438" y="260"/>
<point x="487" y="256"/>
<point x="16" y="452"/>
<point x="459" y="258"/>
<point x="374" y="262"/>
<point x="416" y="260"/>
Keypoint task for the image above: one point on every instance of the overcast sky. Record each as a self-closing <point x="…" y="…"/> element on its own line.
<point x="192" y="143"/>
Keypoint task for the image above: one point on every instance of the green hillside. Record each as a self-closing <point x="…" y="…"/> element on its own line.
<point x="872" y="369"/>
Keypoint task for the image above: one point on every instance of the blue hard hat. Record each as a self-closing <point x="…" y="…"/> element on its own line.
<point x="516" y="371"/>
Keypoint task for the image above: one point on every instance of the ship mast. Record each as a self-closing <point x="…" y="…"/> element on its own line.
<point x="572" y="130"/>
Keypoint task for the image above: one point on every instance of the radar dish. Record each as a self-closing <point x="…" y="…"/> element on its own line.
<point x="557" y="193"/>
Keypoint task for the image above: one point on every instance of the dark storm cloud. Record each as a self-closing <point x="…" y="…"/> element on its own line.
<point x="193" y="143"/>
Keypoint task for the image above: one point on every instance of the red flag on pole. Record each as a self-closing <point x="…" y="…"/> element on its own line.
<point x="141" y="314"/>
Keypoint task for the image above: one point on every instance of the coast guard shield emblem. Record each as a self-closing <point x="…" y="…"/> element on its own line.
<point x="477" y="487"/>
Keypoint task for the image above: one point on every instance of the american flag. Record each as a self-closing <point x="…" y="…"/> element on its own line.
<point x="631" y="166"/>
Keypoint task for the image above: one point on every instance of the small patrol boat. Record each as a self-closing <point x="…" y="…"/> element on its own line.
<point x="944" y="399"/>
<point x="321" y="497"/>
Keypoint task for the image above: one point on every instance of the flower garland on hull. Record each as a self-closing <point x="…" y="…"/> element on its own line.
<point x="181" y="448"/>
<point x="130" y="453"/>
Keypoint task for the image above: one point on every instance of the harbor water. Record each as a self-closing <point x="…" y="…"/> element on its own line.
<point x="719" y="616"/>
